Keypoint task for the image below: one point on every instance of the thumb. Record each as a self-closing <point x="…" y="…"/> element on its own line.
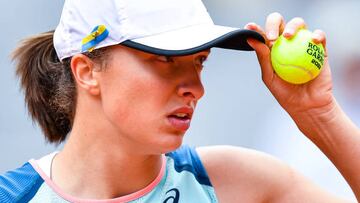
<point x="263" y="55"/>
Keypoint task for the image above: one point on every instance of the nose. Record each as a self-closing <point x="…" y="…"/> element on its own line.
<point x="191" y="86"/>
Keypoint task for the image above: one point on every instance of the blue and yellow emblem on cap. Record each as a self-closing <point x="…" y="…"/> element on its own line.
<point x="98" y="34"/>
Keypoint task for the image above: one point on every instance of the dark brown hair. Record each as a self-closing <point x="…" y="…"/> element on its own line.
<point x="48" y="84"/>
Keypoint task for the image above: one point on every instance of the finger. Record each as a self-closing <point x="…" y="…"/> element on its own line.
<point x="257" y="28"/>
<point x="319" y="37"/>
<point x="274" y="25"/>
<point x="263" y="55"/>
<point x="293" y="26"/>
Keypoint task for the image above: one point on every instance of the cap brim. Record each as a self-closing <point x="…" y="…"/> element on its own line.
<point x="194" y="39"/>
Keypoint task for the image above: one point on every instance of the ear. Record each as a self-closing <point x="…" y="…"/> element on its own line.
<point x="83" y="70"/>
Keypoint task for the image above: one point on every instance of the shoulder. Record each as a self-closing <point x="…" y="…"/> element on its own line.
<point x="19" y="185"/>
<point x="244" y="173"/>
<point x="187" y="174"/>
<point x="186" y="159"/>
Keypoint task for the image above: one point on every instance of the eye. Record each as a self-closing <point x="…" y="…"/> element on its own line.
<point x="200" y="60"/>
<point x="166" y="59"/>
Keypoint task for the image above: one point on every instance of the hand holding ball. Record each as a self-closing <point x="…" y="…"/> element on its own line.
<point x="297" y="60"/>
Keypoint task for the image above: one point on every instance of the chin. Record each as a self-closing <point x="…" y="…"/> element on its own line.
<point x="171" y="142"/>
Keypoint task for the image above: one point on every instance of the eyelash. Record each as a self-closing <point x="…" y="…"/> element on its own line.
<point x="169" y="59"/>
<point x="203" y="59"/>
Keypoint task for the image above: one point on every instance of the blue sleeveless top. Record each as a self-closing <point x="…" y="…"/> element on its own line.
<point x="182" y="179"/>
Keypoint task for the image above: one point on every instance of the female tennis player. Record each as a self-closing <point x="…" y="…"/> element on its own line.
<point x="119" y="81"/>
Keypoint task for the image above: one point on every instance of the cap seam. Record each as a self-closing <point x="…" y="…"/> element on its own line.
<point x="67" y="32"/>
<point x="122" y="18"/>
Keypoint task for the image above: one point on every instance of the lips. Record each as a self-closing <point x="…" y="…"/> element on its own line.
<point x="180" y="118"/>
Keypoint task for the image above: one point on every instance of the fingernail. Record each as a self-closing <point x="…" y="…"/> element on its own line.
<point x="288" y="32"/>
<point x="272" y="35"/>
<point x="251" y="26"/>
<point x="248" y="26"/>
<point x="316" y="37"/>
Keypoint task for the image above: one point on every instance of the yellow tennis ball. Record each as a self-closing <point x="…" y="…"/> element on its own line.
<point x="297" y="60"/>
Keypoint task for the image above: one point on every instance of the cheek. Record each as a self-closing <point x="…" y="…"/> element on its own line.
<point x="135" y="103"/>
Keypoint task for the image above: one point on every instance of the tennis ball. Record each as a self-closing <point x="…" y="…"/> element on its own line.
<point x="297" y="60"/>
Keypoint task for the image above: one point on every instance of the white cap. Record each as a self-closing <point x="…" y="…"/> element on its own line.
<point x="163" y="27"/>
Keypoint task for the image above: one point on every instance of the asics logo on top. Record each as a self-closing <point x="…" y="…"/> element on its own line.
<point x="175" y="196"/>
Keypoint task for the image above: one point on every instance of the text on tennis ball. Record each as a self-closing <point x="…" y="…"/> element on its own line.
<point x="317" y="53"/>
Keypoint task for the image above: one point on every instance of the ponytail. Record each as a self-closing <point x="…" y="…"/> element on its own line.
<point x="48" y="85"/>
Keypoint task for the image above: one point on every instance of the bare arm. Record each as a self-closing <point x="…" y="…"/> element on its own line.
<point x="244" y="175"/>
<point x="312" y="105"/>
<point x="337" y="136"/>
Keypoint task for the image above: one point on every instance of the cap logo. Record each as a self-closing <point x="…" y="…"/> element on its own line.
<point x="98" y="34"/>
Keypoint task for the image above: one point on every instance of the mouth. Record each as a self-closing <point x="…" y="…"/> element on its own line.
<point x="180" y="119"/>
<point x="181" y="116"/>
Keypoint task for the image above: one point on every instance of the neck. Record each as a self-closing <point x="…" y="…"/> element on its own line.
<point x="96" y="164"/>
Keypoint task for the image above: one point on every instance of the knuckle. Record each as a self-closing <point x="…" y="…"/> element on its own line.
<point x="265" y="79"/>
